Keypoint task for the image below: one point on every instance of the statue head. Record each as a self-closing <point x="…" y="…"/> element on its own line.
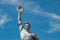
<point x="27" y="26"/>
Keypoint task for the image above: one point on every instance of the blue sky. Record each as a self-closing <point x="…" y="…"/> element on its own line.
<point x="43" y="15"/>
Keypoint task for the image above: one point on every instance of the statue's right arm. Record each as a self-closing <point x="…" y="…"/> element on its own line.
<point x="19" y="21"/>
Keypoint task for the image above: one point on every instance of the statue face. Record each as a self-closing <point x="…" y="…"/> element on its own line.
<point x="27" y="26"/>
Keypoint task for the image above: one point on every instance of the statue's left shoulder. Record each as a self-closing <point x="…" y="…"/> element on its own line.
<point x="32" y="33"/>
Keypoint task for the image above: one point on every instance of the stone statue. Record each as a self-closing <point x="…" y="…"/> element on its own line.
<point x="25" y="34"/>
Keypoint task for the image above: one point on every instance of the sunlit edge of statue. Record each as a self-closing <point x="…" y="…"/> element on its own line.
<point x="25" y="34"/>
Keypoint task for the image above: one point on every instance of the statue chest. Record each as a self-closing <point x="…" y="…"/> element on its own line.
<point x="25" y="34"/>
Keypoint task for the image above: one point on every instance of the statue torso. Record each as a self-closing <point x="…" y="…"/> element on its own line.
<point x="25" y="35"/>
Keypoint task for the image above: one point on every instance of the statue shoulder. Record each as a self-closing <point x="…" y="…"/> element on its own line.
<point x="32" y="34"/>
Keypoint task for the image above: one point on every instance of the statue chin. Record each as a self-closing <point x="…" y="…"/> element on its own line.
<point x="19" y="8"/>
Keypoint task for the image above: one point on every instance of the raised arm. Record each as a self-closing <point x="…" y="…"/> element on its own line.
<point x="20" y="9"/>
<point x="19" y="21"/>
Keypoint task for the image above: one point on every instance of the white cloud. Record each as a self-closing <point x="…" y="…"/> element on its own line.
<point x="8" y="1"/>
<point x="55" y="27"/>
<point x="41" y="12"/>
<point x="4" y="18"/>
